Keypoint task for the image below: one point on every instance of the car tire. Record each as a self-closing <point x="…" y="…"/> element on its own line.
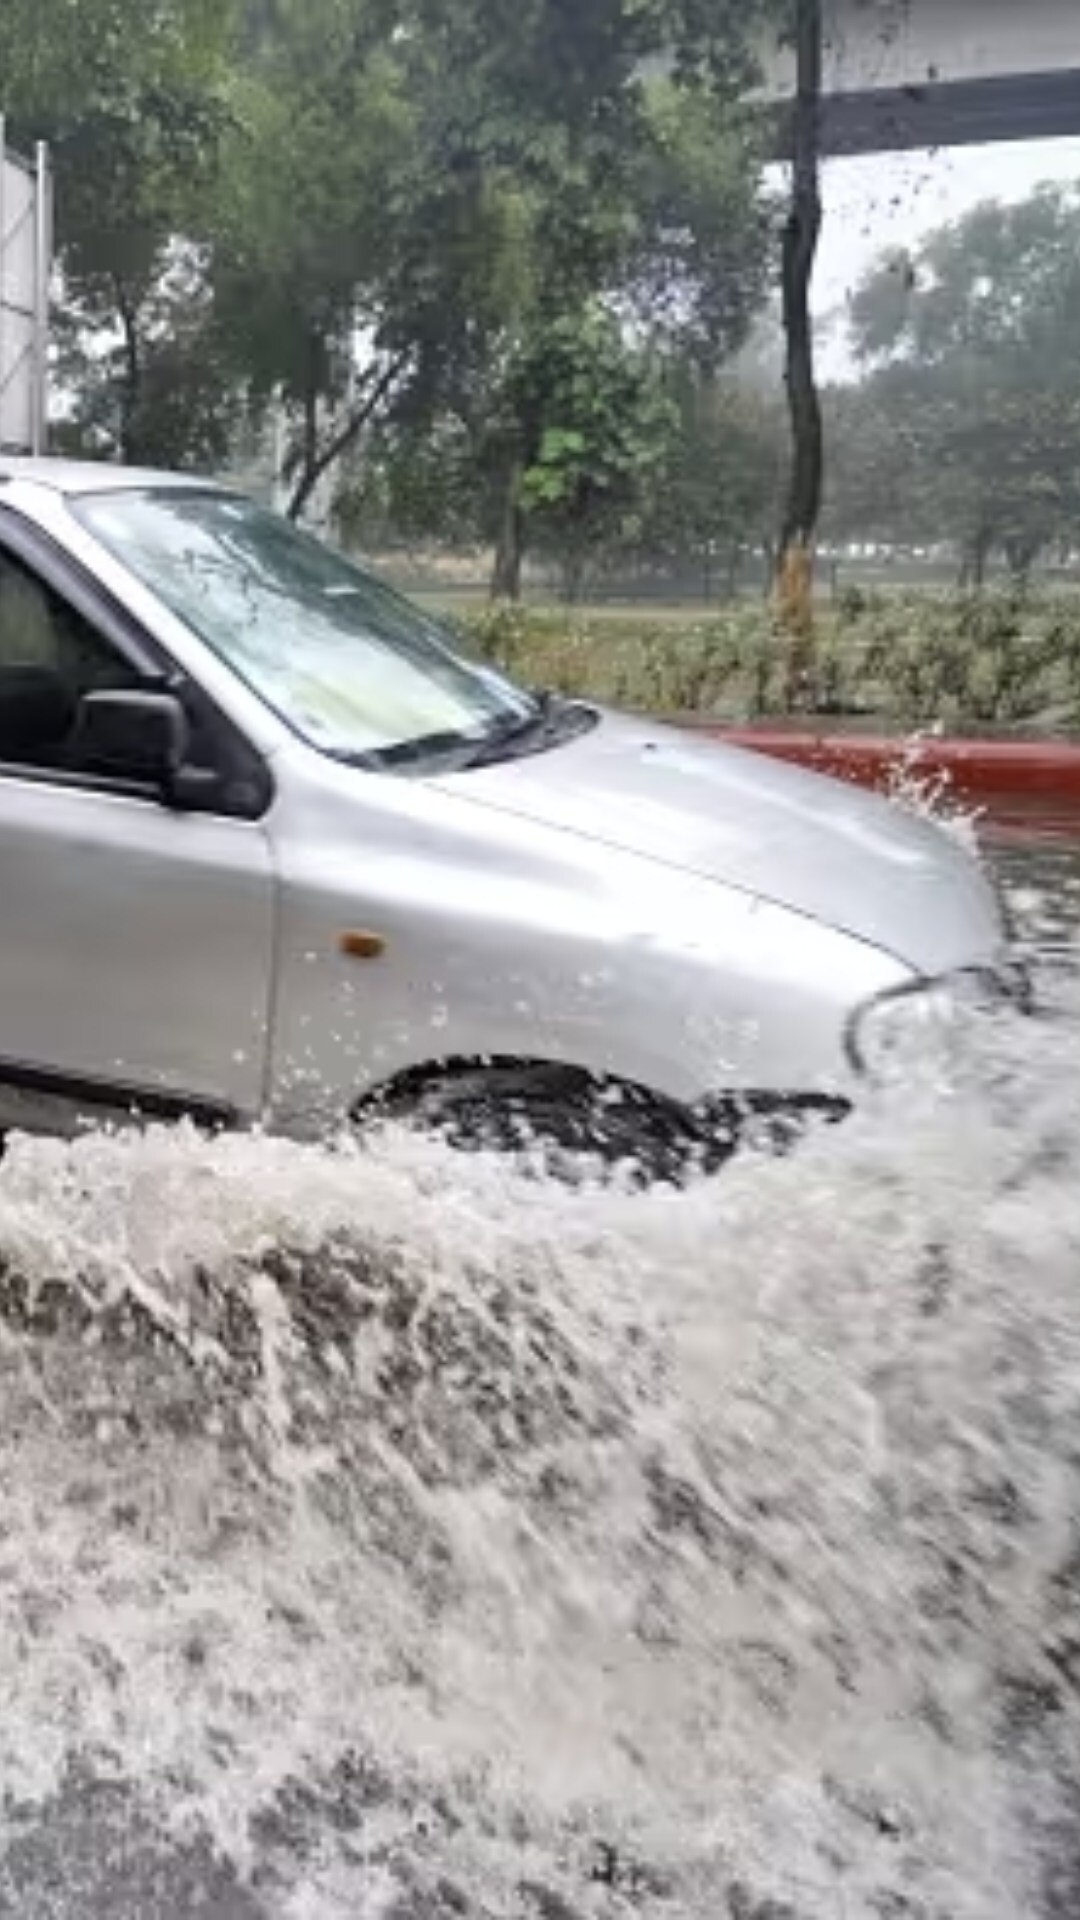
<point x="555" y="1121"/>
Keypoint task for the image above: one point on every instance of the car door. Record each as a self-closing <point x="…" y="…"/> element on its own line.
<point x="135" y="941"/>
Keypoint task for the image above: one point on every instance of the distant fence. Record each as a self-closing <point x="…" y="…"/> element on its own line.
<point x="452" y="580"/>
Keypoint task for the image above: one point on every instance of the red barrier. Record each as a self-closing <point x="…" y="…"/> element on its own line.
<point x="973" y="768"/>
<point x="1028" y="788"/>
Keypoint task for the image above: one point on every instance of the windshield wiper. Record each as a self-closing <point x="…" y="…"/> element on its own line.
<point x="414" y="756"/>
<point x="552" y="721"/>
<point x="548" y="722"/>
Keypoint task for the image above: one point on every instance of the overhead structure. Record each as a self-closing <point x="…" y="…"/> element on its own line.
<point x="25" y="272"/>
<point x="913" y="74"/>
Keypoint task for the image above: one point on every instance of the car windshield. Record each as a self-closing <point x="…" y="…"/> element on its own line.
<point x="358" y="671"/>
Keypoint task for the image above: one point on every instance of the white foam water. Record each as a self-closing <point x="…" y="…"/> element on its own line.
<point x="384" y="1533"/>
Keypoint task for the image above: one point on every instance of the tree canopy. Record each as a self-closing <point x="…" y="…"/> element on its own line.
<point x="967" y="424"/>
<point x="133" y="100"/>
<point x="479" y="270"/>
<point x="347" y="211"/>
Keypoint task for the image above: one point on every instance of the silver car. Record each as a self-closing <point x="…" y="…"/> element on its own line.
<point x="272" y="850"/>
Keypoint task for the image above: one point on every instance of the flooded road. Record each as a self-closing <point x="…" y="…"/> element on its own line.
<point x="384" y="1535"/>
<point x="1042" y="883"/>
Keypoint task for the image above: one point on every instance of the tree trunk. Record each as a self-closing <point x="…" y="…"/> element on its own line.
<point x="510" y="551"/>
<point x="131" y="391"/>
<point x="574" y="577"/>
<point x="316" y="459"/>
<point x="801" y="235"/>
<point x="975" y="561"/>
<point x="1020" y="557"/>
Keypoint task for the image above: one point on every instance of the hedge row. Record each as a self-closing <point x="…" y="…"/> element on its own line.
<point x="913" y="660"/>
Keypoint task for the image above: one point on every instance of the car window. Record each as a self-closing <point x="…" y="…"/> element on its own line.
<point x="50" y="656"/>
<point x="350" y="665"/>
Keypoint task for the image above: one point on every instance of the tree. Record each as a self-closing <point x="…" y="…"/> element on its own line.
<point x="605" y="421"/>
<point x="714" y="494"/>
<point x="599" y="133"/>
<point x="413" y="483"/>
<point x="973" y="346"/>
<point x="802" y="232"/>
<point x="649" y="463"/>
<point x="602" y="262"/>
<point x="358" y="215"/>
<point x="305" y="228"/>
<point x="131" y="95"/>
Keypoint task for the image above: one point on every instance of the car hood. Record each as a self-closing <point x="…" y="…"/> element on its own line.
<point x="726" y="814"/>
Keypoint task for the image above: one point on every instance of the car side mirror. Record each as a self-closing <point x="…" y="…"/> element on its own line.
<point x="133" y="734"/>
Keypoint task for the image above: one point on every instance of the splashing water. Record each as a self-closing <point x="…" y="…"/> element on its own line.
<point x="931" y="793"/>
<point x="385" y="1534"/>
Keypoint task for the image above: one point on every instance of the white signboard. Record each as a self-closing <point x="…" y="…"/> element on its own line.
<point x="902" y="74"/>
<point x="25" y="258"/>
<point x="871" y="44"/>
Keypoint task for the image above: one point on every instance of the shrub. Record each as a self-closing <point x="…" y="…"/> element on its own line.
<point x="910" y="660"/>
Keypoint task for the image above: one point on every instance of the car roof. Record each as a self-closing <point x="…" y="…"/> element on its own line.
<point x="92" y="476"/>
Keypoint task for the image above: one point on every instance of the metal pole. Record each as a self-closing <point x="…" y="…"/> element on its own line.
<point x="42" y="266"/>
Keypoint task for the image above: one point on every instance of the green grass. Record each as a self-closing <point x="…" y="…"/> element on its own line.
<point x="632" y="615"/>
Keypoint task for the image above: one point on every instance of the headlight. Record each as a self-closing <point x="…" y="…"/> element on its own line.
<point x="925" y="1023"/>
